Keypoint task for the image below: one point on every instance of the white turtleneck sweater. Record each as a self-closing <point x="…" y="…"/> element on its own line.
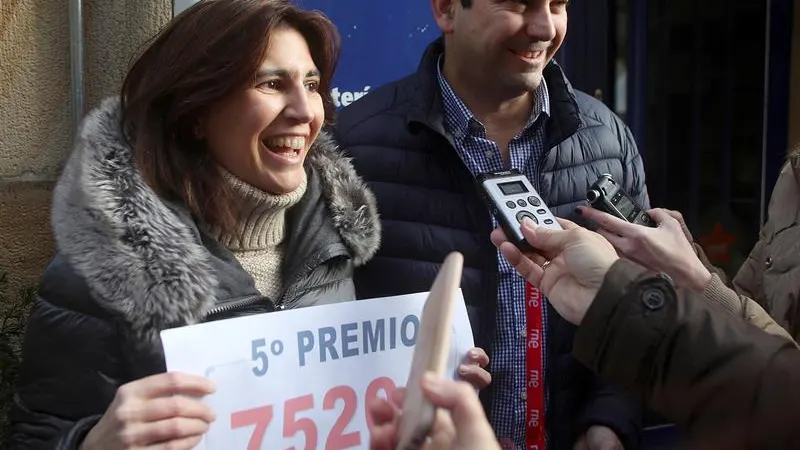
<point x="261" y="224"/>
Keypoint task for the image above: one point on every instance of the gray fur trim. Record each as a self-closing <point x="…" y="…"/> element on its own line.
<point x="139" y="259"/>
<point x="352" y="204"/>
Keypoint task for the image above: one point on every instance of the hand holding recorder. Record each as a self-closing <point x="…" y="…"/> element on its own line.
<point x="664" y="248"/>
<point x="568" y="265"/>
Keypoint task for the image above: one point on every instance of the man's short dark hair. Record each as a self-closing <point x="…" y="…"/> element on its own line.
<point x="466" y="3"/>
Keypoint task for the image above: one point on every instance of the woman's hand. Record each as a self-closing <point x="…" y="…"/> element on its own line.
<point x="473" y="370"/>
<point x="663" y="249"/>
<point x="460" y="422"/>
<point x="160" y="411"/>
<point x="575" y="262"/>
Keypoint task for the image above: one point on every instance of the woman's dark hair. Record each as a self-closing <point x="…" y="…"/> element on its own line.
<point x="205" y="54"/>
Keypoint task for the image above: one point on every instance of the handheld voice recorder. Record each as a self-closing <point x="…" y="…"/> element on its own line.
<point x="607" y="196"/>
<point x="511" y="198"/>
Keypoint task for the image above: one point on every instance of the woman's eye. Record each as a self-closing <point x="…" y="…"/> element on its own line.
<point x="312" y="86"/>
<point x="271" y="84"/>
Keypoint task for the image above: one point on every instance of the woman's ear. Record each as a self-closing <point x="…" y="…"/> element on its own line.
<point x="199" y="129"/>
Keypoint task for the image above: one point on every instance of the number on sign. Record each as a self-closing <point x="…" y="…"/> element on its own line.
<point x="337" y="440"/>
<point x="384" y="384"/>
<point x="260" y="355"/>
<point x="292" y="426"/>
<point x="260" y="417"/>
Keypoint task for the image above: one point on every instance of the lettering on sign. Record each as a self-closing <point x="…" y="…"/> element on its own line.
<point x="533" y="380"/>
<point x="260" y="418"/>
<point x="345" y="344"/>
<point x="344" y="98"/>
<point x="534" y="418"/>
<point x="302" y="379"/>
<point x="533" y="341"/>
<point x="349" y="340"/>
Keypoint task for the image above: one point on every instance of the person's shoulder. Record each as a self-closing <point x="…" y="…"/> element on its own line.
<point x="391" y="100"/>
<point x="595" y="111"/>
<point x="62" y="287"/>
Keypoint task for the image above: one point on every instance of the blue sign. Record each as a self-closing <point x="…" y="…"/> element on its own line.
<point x="381" y="42"/>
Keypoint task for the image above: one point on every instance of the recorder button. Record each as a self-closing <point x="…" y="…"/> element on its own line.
<point x="523" y="214"/>
<point x="548" y="221"/>
<point x="541" y="211"/>
<point x="522" y="203"/>
<point x="511" y="204"/>
<point x="534" y="201"/>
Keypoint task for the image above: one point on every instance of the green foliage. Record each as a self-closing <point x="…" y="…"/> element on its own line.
<point x="13" y="316"/>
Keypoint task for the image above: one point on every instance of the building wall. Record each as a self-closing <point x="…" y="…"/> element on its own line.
<point x="36" y="134"/>
<point x="794" y="102"/>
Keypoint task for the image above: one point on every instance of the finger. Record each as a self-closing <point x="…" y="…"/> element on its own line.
<point x="547" y="242"/>
<point x="459" y="398"/>
<point x="599" y="437"/>
<point x="399" y="397"/>
<point x="607" y="222"/>
<point x="567" y="224"/>
<point x="674" y="214"/>
<point x="443" y="432"/>
<point x="478" y="377"/>
<point x="164" y="384"/>
<point x="660" y="216"/>
<point x="180" y="444"/>
<point x="478" y="356"/>
<point x="581" y="444"/>
<point x="168" y="430"/>
<point x="382" y="437"/>
<point x="382" y="411"/>
<point x="537" y="259"/>
<point x="175" y="406"/>
<point x="522" y="264"/>
<point x="498" y="236"/>
<point x="620" y="243"/>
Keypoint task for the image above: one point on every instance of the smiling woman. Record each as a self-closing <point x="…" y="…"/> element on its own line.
<point x="205" y="191"/>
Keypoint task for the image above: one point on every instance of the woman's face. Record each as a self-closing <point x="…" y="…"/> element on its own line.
<point x="262" y="134"/>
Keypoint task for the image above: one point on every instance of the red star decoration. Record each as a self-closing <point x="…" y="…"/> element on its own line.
<point x="717" y="245"/>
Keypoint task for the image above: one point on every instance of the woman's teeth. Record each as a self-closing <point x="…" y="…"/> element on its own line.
<point x="294" y="143"/>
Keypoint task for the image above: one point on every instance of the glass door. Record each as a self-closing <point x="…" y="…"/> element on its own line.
<point x="690" y="83"/>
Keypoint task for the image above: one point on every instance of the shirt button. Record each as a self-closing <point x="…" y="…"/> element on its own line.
<point x="768" y="262"/>
<point x="489" y="154"/>
<point x="522" y="333"/>
<point x="523" y="395"/>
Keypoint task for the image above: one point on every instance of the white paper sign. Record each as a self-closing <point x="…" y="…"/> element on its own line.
<point x="301" y="379"/>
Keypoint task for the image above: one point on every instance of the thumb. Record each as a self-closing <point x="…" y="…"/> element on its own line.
<point x="547" y="241"/>
<point x="459" y="398"/>
<point x="660" y="215"/>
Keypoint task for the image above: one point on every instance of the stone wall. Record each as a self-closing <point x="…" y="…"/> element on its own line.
<point x="35" y="125"/>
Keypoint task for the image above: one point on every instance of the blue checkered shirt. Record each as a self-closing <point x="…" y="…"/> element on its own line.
<point x="480" y="154"/>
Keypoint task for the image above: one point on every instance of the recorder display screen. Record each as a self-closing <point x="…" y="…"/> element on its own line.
<point x="627" y="208"/>
<point x="512" y="188"/>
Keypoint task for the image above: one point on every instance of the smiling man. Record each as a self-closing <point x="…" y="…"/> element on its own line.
<point x="487" y="96"/>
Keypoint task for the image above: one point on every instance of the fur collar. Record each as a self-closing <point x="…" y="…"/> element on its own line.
<point x="140" y="256"/>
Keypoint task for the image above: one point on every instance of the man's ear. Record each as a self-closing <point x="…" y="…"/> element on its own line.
<point x="444" y="14"/>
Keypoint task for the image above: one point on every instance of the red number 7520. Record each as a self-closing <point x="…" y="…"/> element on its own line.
<point x="261" y="417"/>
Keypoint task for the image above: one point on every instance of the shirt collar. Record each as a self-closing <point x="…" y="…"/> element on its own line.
<point x="458" y="118"/>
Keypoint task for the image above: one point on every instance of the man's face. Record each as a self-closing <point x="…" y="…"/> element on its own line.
<point x="505" y="42"/>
